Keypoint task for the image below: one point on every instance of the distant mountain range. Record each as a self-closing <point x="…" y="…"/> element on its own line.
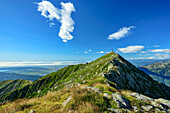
<point x="159" y="71"/>
<point x="143" y="62"/>
<point x="108" y="84"/>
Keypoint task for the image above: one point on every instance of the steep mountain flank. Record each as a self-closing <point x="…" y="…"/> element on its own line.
<point x="109" y="69"/>
<point x="12" y="85"/>
<point x="4" y="83"/>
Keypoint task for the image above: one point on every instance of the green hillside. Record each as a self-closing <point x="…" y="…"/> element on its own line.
<point x="12" y="85"/>
<point x="109" y="83"/>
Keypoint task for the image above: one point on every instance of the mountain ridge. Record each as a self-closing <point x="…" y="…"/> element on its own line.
<point x="108" y="84"/>
<point x="112" y="68"/>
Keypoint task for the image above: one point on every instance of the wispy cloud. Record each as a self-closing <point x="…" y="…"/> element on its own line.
<point x="16" y="64"/>
<point x="90" y="50"/>
<point x="52" y="24"/>
<point x="156" y="46"/>
<point x="160" y="50"/>
<point x="144" y="51"/>
<point x="155" y="56"/>
<point x="85" y="52"/>
<point x="143" y="58"/>
<point x="101" y="52"/>
<point x="131" y="49"/>
<point x="63" y="15"/>
<point x="123" y="32"/>
<point x="162" y="56"/>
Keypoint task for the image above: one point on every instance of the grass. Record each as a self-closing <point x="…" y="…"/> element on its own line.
<point x="82" y="101"/>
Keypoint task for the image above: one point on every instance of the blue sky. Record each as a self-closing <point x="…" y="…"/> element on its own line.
<point x="137" y="29"/>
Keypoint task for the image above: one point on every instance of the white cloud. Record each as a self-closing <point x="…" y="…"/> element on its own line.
<point x="123" y="32"/>
<point x="52" y="24"/>
<point x="90" y="50"/>
<point x="14" y="64"/>
<point x="144" y="51"/>
<point x="48" y="10"/>
<point x="162" y="56"/>
<point x="131" y="49"/>
<point x="143" y="54"/>
<point x="101" y="52"/>
<point x="143" y="58"/>
<point x="85" y="52"/>
<point x="160" y="50"/>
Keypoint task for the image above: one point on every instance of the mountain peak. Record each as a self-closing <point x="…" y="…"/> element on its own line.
<point x="110" y="69"/>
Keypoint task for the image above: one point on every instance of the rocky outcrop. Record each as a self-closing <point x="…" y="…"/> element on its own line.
<point x="121" y="101"/>
<point x="156" y="104"/>
<point x="128" y="77"/>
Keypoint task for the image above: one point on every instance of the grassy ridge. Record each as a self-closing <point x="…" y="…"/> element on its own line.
<point x="110" y="68"/>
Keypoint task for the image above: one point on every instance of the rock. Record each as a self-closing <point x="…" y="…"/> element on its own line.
<point x="163" y="101"/>
<point x="141" y="97"/>
<point x="106" y="95"/>
<point x="84" y="81"/>
<point x="39" y="91"/>
<point x="67" y="101"/>
<point x="94" y="89"/>
<point x="114" y="110"/>
<point x="121" y="102"/>
<point x="135" y="108"/>
<point x="147" y="108"/>
<point x="157" y="109"/>
<point x="154" y="103"/>
<point x="32" y="111"/>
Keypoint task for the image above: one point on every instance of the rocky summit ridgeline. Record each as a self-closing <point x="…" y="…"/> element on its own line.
<point x="110" y="70"/>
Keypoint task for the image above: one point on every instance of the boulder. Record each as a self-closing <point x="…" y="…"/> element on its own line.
<point x="164" y="102"/>
<point x="147" y="108"/>
<point x="106" y="95"/>
<point x="141" y="97"/>
<point x="32" y="111"/>
<point x="121" y="101"/>
<point x="135" y="108"/>
<point x="114" y="110"/>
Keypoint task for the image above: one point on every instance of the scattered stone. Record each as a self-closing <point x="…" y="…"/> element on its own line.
<point x="157" y="109"/>
<point x="39" y="91"/>
<point x="121" y="102"/>
<point x="135" y="108"/>
<point x="67" y="101"/>
<point x="147" y="108"/>
<point x="114" y="110"/>
<point x="94" y="89"/>
<point x="163" y="101"/>
<point x="106" y="95"/>
<point x="84" y="81"/>
<point x="154" y="103"/>
<point x="32" y="111"/>
<point x="141" y="97"/>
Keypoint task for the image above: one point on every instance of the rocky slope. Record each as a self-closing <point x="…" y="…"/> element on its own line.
<point x="109" y="83"/>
